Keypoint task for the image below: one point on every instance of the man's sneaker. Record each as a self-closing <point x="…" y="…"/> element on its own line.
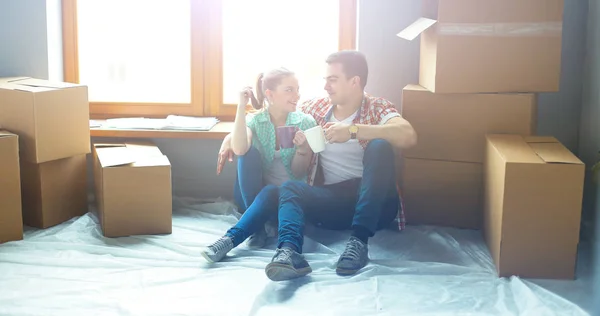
<point x="287" y="264"/>
<point x="354" y="258"/>
<point x="257" y="240"/>
<point x="218" y="249"/>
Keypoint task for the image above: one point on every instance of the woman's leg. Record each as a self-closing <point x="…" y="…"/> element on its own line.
<point x="264" y="206"/>
<point x="249" y="180"/>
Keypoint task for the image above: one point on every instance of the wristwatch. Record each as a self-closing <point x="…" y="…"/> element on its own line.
<point x="353" y="130"/>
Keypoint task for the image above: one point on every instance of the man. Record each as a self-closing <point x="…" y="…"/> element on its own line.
<point x="353" y="182"/>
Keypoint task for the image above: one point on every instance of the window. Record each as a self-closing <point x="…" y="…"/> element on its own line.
<point x="191" y="57"/>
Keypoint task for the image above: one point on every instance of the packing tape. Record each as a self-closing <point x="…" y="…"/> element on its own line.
<point x="501" y="29"/>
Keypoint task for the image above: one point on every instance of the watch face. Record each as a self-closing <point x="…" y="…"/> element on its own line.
<point x="353" y="129"/>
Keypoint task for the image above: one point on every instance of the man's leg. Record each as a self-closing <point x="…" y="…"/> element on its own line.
<point x="376" y="207"/>
<point x="294" y="198"/>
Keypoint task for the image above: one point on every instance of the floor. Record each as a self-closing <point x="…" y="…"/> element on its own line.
<point x="72" y="269"/>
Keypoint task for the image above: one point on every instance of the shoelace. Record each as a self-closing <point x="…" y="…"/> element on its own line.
<point x="352" y="250"/>
<point x="284" y="254"/>
<point x="221" y="244"/>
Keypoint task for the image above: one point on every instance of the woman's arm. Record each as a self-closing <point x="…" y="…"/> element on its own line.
<point x="303" y="156"/>
<point x="241" y="136"/>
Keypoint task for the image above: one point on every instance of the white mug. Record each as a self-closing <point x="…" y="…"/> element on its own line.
<point x="316" y="138"/>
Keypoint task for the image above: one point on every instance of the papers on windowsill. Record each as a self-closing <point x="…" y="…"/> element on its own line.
<point x="172" y="122"/>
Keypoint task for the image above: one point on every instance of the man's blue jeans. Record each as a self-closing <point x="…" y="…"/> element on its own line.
<point x="257" y="202"/>
<point x="370" y="202"/>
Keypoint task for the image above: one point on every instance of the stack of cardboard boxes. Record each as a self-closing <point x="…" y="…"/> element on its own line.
<point x="481" y="65"/>
<point x="44" y="141"/>
<point x="51" y="120"/>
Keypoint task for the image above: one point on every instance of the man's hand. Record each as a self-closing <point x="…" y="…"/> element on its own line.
<point x="225" y="154"/>
<point x="337" y="132"/>
<point x="301" y="143"/>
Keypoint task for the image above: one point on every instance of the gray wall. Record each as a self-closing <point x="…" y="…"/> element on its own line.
<point x="589" y="137"/>
<point x="23" y="38"/>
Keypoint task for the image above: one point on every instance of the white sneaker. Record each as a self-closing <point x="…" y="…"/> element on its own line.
<point x="218" y="249"/>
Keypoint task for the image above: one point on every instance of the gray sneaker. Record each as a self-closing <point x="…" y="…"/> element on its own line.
<point x="218" y="249"/>
<point x="354" y="257"/>
<point x="287" y="264"/>
<point x="257" y="240"/>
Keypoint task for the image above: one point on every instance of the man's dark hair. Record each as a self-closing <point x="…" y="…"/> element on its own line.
<point x="353" y="62"/>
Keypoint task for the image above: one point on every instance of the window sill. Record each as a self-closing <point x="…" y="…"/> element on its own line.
<point x="219" y="131"/>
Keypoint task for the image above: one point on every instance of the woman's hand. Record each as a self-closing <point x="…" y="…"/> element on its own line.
<point x="245" y="96"/>
<point x="301" y="143"/>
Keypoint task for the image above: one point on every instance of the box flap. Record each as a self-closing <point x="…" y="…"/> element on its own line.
<point x="540" y="139"/>
<point x="513" y="148"/>
<point x="32" y="82"/>
<point x="104" y="145"/>
<point x="4" y="133"/>
<point x="415" y="87"/>
<point x="137" y="154"/>
<point x="10" y="79"/>
<point x="554" y="152"/>
<point x="415" y="29"/>
<point x="19" y="87"/>
<point x="115" y="156"/>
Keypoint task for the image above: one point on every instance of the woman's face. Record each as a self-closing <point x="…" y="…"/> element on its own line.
<point x="286" y="95"/>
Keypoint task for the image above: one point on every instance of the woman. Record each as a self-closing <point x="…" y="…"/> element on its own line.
<point x="262" y="164"/>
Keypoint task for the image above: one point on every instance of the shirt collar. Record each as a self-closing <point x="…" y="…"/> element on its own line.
<point x="292" y="119"/>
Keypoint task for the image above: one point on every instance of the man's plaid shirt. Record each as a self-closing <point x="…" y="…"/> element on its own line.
<point x="374" y="111"/>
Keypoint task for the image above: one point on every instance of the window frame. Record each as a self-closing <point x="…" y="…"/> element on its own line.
<point x="206" y="64"/>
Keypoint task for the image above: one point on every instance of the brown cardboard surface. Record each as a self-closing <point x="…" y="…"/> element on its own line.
<point x="11" y="221"/>
<point x="51" y="118"/>
<point x="533" y="196"/>
<point x="442" y="193"/>
<point x="453" y="126"/>
<point x="133" y="189"/>
<point x="54" y="192"/>
<point x="474" y="46"/>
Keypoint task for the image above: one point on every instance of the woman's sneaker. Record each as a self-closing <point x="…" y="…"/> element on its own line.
<point x="216" y="251"/>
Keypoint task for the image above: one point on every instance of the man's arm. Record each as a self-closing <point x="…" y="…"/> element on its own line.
<point x="397" y="131"/>
<point x="225" y="153"/>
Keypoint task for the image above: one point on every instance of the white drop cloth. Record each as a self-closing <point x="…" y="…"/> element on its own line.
<point x="72" y="269"/>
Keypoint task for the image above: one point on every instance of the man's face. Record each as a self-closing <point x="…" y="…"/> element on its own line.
<point x="337" y="85"/>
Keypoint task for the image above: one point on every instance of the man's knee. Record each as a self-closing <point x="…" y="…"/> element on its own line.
<point x="379" y="148"/>
<point x="292" y="189"/>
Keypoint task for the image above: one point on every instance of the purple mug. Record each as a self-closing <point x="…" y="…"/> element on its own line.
<point x="285" y="136"/>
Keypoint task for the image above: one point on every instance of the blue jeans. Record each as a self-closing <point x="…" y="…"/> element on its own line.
<point x="370" y="202"/>
<point x="257" y="202"/>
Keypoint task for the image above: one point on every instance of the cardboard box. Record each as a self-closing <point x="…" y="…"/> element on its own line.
<point x="443" y="193"/>
<point x="473" y="46"/>
<point x="11" y="221"/>
<point x="533" y="196"/>
<point x="51" y="118"/>
<point x="133" y="189"/>
<point x="54" y="192"/>
<point x="453" y="126"/>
